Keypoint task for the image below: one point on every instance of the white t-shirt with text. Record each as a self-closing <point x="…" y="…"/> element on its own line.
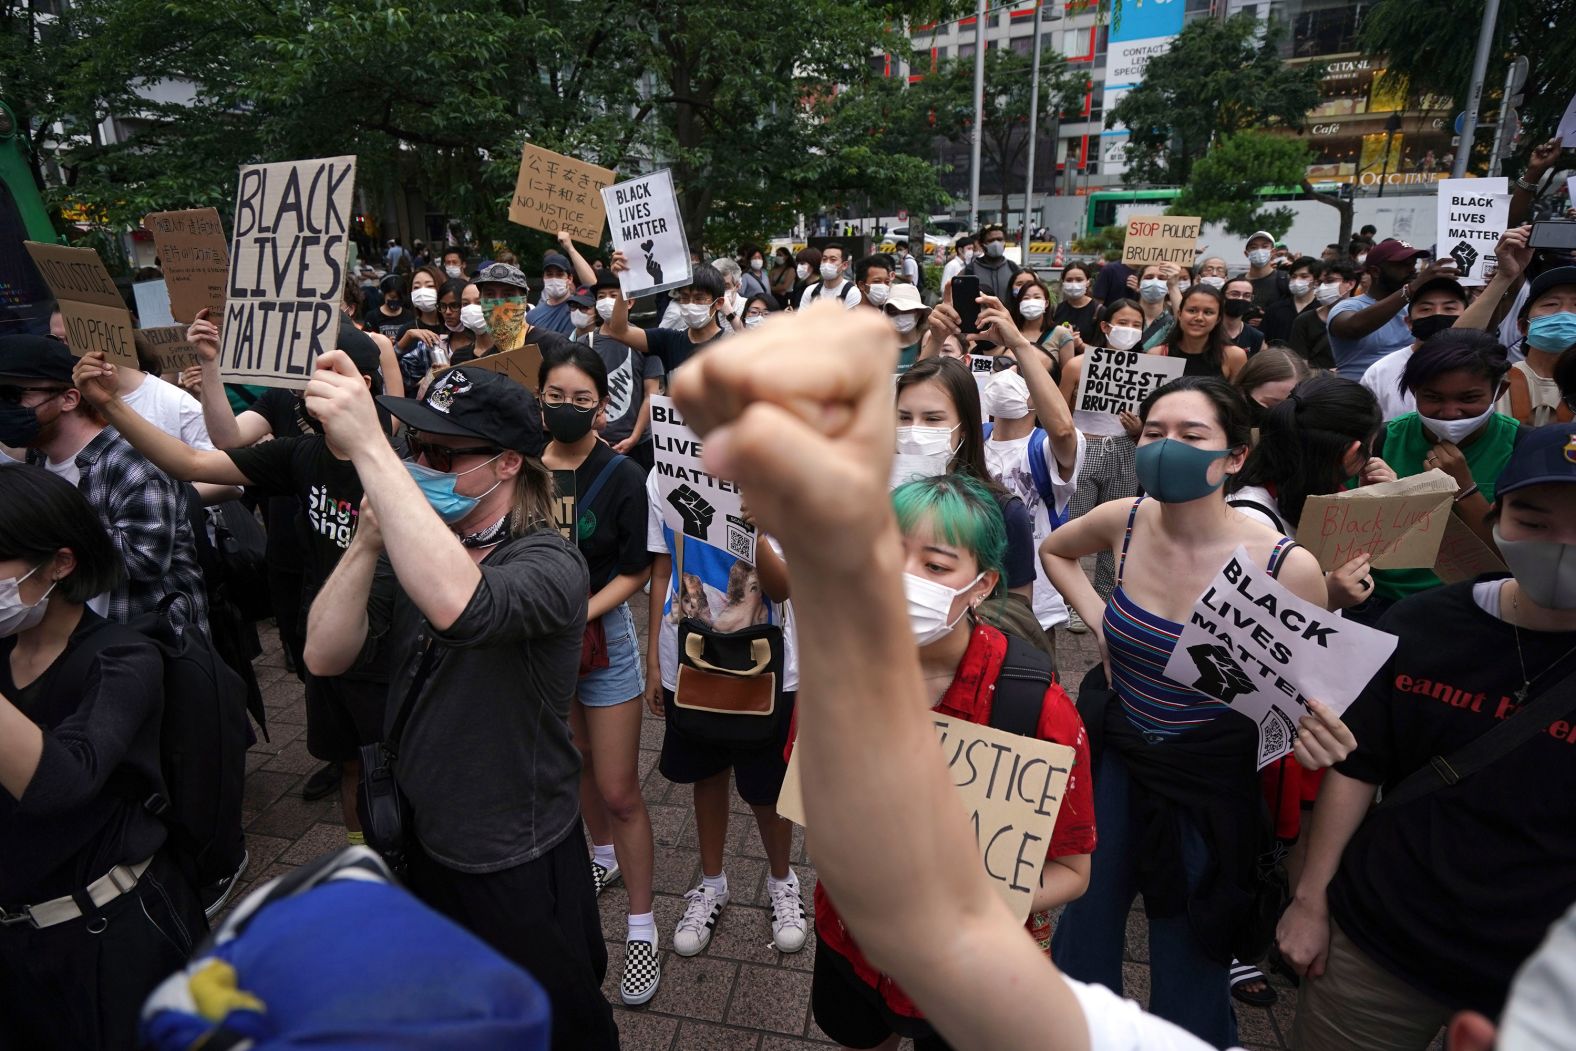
<point x="1008" y="463"/>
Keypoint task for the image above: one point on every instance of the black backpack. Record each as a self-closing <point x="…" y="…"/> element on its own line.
<point x="203" y="738"/>
<point x="1026" y="673"/>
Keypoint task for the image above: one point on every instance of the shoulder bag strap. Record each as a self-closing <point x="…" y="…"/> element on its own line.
<point x="1020" y="689"/>
<point x="1268" y="512"/>
<point x="1491" y="747"/>
<point x="428" y="658"/>
<point x="601" y="479"/>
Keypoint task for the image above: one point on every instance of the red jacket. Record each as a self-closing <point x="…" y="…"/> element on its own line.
<point x="969" y="697"/>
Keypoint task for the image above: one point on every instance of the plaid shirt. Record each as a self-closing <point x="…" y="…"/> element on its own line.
<point x="146" y="513"/>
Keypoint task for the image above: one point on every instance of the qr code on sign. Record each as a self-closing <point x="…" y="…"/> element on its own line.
<point x="741" y="541"/>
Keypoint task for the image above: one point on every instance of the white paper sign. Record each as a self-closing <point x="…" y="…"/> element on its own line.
<point x="1473" y="213"/>
<point x="1570" y="190"/>
<point x="1254" y="645"/>
<point x="702" y="506"/>
<point x="1566" y="132"/>
<point x="643" y="215"/>
<point x="153" y="304"/>
<point x="1116" y="381"/>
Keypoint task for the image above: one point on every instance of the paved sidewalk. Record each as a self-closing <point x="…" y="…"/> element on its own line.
<point x="741" y="993"/>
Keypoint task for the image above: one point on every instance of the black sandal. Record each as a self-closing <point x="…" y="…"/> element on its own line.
<point x="1244" y="973"/>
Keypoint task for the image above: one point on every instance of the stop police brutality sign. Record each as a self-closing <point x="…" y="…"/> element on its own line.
<point x="1161" y="239"/>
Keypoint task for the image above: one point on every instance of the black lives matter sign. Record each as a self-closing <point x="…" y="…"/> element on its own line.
<point x="1116" y="381"/>
<point x="287" y="269"/>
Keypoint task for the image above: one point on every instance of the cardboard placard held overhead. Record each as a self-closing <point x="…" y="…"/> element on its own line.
<point x="704" y="507"/>
<point x="648" y="229"/>
<point x="1462" y="556"/>
<point x="1012" y="787"/>
<point x="91" y="306"/>
<point x="292" y="230"/>
<point x="520" y="365"/>
<point x="1116" y="381"/>
<point x="195" y="260"/>
<point x="167" y="346"/>
<point x="1398" y="524"/>
<point x="1161" y="239"/>
<point x="554" y="192"/>
<point x="1250" y="643"/>
<point x="1473" y="213"/>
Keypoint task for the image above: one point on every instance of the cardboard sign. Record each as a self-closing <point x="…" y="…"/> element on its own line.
<point x="506" y="322"/>
<point x="168" y="347"/>
<point x="1463" y="556"/>
<point x="709" y="509"/>
<point x="1473" y="213"/>
<point x="521" y="365"/>
<point x="281" y="312"/>
<point x="1012" y="788"/>
<point x="194" y="258"/>
<point x="1161" y="239"/>
<point x="648" y="229"/>
<point x="94" y="313"/>
<point x="1252" y="644"/>
<point x="1116" y="381"/>
<point x="153" y="304"/>
<point x="554" y="192"/>
<point x="1398" y="524"/>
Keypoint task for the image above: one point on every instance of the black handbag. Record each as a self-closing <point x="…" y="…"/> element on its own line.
<point x="384" y="810"/>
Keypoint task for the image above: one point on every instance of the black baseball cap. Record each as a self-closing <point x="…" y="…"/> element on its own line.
<point x="559" y="260"/>
<point x="584" y="296"/>
<point x="1443" y="284"/>
<point x="471" y="403"/>
<point x="1544" y="456"/>
<point x="606" y="279"/>
<point x="1560" y="275"/>
<point x="31" y="357"/>
<point x="360" y="348"/>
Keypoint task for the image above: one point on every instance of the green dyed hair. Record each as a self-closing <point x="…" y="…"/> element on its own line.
<point x="962" y="511"/>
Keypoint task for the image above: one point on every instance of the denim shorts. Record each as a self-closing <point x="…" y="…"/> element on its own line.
<point x="622" y="680"/>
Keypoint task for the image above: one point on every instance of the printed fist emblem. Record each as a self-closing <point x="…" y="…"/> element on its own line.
<point x="694" y="509"/>
<point x="1220" y="676"/>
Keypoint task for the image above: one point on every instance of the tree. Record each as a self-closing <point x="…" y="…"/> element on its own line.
<point x="1224" y="183"/>
<point x="1219" y="77"/>
<point x="1431" y="47"/>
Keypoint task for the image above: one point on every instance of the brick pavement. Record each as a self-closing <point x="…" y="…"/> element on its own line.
<point x="741" y="994"/>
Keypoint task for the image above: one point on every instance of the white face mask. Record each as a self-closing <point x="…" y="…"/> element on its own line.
<point x="15" y="616"/>
<point x="1362" y="259"/>
<point x="696" y="315"/>
<point x="1299" y="288"/>
<point x="1328" y="293"/>
<point x="604" y="308"/>
<point x="1007" y="396"/>
<point x="753" y="320"/>
<point x="1212" y="281"/>
<point x="1259" y="257"/>
<point x="453" y="271"/>
<point x="555" y="287"/>
<point x="1032" y="309"/>
<point x="581" y="318"/>
<point x="1074" y="289"/>
<point x="1152" y="291"/>
<point x="922" y="452"/>
<point x="904" y="323"/>
<point x="802" y="271"/>
<point x="930" y="607"/>
<point x="472" y="317"/>
<point x="757" y="265"/>
<point x="731" y="301"/>
<point x="1122" y="337"/>
<point x="424" y="299"/>
<point x="879" y="294"/>
<point x="968" y="255"/>
<point x="829" y="271"/>
<point x="1456" y="431"/>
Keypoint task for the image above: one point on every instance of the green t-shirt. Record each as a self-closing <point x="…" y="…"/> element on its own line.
<point x="906" y="358"/>
<point x="1405" y="445"/>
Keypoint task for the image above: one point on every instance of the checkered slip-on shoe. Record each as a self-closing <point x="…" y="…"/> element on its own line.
<point x="604" y="878"/>
<point x="642" y="973"/>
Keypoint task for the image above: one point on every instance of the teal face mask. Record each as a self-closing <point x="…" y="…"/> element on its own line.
<point x="438" y="488"/>
<point x="1552" y="332"/>
<point x="1175" y="472"/>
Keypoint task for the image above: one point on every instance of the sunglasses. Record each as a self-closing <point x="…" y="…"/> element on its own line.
<point x="14" y="393"/>
<point x="441" y="457"/>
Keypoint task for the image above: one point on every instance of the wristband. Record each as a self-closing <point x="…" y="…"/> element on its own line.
<point x="1523" y="184"/>
<point x="1465" y="493"/>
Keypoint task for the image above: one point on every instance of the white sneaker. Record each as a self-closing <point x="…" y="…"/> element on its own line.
<point x="788" y="925"/>
<point x="603" y="878"/>
<point x="700" y="919"/>
<point x="642" y="972"/>
<point x="1075" y="623"/>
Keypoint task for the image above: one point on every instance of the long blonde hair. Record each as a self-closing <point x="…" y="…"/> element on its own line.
<point x="534" y="496"/>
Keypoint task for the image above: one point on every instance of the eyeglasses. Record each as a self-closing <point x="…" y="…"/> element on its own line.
<point x="446" y="307"/>
<point x="555" y="398"/>
<point x="685" y="299"/>
<point x="14" y="393"/>
<point x="441" y="457"/>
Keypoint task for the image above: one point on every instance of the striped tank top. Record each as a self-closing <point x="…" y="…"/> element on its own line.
<point x="1140" y="643"/>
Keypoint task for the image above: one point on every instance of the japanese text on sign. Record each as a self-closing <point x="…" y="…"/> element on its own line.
<point x="554" y="192"/>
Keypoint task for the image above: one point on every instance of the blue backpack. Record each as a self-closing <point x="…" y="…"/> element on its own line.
<point x="1040" y="472"/>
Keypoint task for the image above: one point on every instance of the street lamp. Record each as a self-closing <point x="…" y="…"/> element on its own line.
<point x="1391" y="126"/>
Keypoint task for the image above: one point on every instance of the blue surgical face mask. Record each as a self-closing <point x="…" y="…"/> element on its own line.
<point x="438" y="488"/>
<point x="1552" y="332"/>
<point x="1175" y="472"/>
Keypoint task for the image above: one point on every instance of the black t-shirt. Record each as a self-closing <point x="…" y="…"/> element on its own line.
<point x="384" y="325"/>
<point x="627" y="372"/>
<point x="1310" y="337"/>
<point x="1278" y="318"/>
<point x="1111" y="282"/>
<point x="1249" y="339"/>
<point x="672" y="347"/>
<point x="1270" y="288"/>
<point x="286" y="416"/>
<point x="1451" y="892"/>
<point x="1082" y="320"/>
<point x="612" y="527"/>
<point x="327" y="491"/>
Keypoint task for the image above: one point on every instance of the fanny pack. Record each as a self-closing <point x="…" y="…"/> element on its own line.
<point x="384" y="810"/>
<point x="730" y="684"/>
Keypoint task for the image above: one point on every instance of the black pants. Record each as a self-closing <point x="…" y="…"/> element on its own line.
<point x="284" y="595"/>
<point x="64" y="987"/>
<point x="543" y="916"/>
